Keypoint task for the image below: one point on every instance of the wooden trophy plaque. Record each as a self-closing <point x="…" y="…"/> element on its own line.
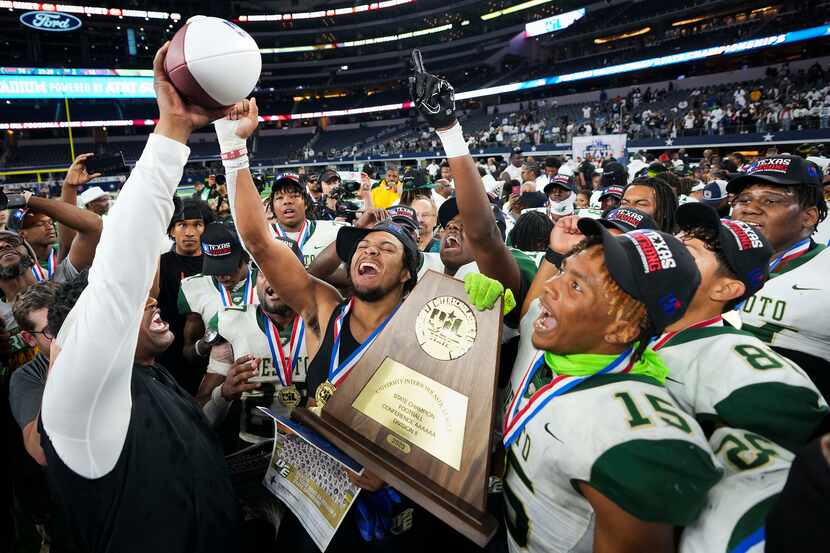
<point x="418" y="407"/>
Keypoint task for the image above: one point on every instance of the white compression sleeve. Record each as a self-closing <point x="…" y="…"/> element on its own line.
<point x="87" y="402"/>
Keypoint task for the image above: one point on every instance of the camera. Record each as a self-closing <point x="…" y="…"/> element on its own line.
<point x="11" y="201"/>
<point x="346" y="200"/>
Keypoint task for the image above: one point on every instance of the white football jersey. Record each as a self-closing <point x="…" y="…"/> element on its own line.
<point x="620" y="433"/>
<point x="736" y="509"/>
<point x="200" y="294"/>
<point x="322" y="233"/>
<point x="728" y="377"/>
<point x="244" y="329"/>
<point x="792" y="310"/>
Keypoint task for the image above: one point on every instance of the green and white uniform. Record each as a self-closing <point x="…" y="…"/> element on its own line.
<point x="792" y="310"/>
<point x="764" y="408"/>
<point x="736" y="509"/>
<point x="200" y="294"/>
<point x="244" y="329"/>
<point x="620" y="433"/>
<point x="320" y="235"/>
<point x="726" y="377"/>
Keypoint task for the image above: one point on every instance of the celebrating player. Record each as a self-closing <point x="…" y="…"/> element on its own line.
<point x="782" y="198"/>
<point x="594" y="441"/>
<point x="755" y="406"/>
<point x="291" y="206"/>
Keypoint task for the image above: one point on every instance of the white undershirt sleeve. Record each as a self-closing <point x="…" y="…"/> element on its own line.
<point x="87" y="402"/>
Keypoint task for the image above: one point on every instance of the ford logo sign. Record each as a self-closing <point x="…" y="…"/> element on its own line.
<point x="50" y="21"/>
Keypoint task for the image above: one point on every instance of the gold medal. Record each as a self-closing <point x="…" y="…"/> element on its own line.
<point x="289" y="396"/>
<point x="324" y="393"/>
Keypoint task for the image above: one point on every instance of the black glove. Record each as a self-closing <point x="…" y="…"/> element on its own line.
<point x="432" y="96"/>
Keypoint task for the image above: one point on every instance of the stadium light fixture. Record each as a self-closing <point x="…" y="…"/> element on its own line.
<point x="352" y="43"/>
<point x="513" y="9"/>
<point x="554" y="23"/>
<point x="621" y="36"/>
<point x="319" y="14"/>
<point x="35" y="85"/>
<point x="88" y="10"/>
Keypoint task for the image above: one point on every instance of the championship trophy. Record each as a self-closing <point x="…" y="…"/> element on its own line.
<point x="417" y="409"/>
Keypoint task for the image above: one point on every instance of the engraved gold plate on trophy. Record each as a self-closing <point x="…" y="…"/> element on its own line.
<point x="417" y="409"/>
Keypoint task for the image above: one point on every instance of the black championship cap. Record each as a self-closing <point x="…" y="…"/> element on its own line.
<point x="614" y="174"/>
<point x="516" y="151"/>
<point x="614" y="190"/>
<point x="746" y="251"/>
<point x="782" y="170"/>
<point x="349" y="237"/>
<point x="222" y="250"/>
<point x="560" y="181"/>
<point x="627" y="219"/>
<point x="403" y="215"/>
<point x="652" y="267"/>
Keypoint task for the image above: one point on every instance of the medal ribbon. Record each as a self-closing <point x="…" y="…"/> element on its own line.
<point x="224" y="294"/>
<point x="714" y="321"/>
<point x="516" y="418"/>
<point x="794" y="251"/>
<point x="250" y="290"/>
<point x="339" y="371"/>
<point x="285" y="367"/>
<point x="302" y="236"/>
<point x="51" y="263"/>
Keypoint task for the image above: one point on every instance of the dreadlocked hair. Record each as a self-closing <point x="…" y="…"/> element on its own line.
<point x="665" y="201"/>
<point x="621" y="306"/>
<point x="531" y="232"/>
<point x="811" y="196"/>
<point x="309" y="203"/>
<point x="711" y="241"/>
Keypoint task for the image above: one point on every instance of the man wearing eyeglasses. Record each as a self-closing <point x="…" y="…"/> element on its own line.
<point x="27" y="382"/>
<point x="782" y="198"/>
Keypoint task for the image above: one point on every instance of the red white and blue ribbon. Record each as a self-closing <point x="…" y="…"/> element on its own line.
<point x="517" y="417"/>
<point x="796" y="250"/>
<point x="339" y="371"/>
<point x="224" y="294"/>
<point x="51" y="263"/>
<point x="285" y="365"/>
<point x="302" y="236"/>
<point x="248" y="294"/>
<point x="250" y="290"/>
<point x="714" y="321"/>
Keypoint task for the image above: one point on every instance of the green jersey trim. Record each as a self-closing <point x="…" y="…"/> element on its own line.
<point x="766" y="331"/>
<point x="799" y="261"/>
<point x="692" y="334"/>
<point x="783" y="413"/>
<point x="603" y="379"/>
<point x="181" y="303"/>
<point x="663" y="481"/>
<point x="752" y="520"/>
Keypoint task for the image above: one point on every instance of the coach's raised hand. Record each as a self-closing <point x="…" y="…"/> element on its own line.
<point x="434" y="97"/>
<point x="177" y="116"/>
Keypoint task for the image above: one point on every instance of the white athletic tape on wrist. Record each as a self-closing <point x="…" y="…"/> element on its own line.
<point x="453" y="141"/>
<point x="226" y="134"/>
